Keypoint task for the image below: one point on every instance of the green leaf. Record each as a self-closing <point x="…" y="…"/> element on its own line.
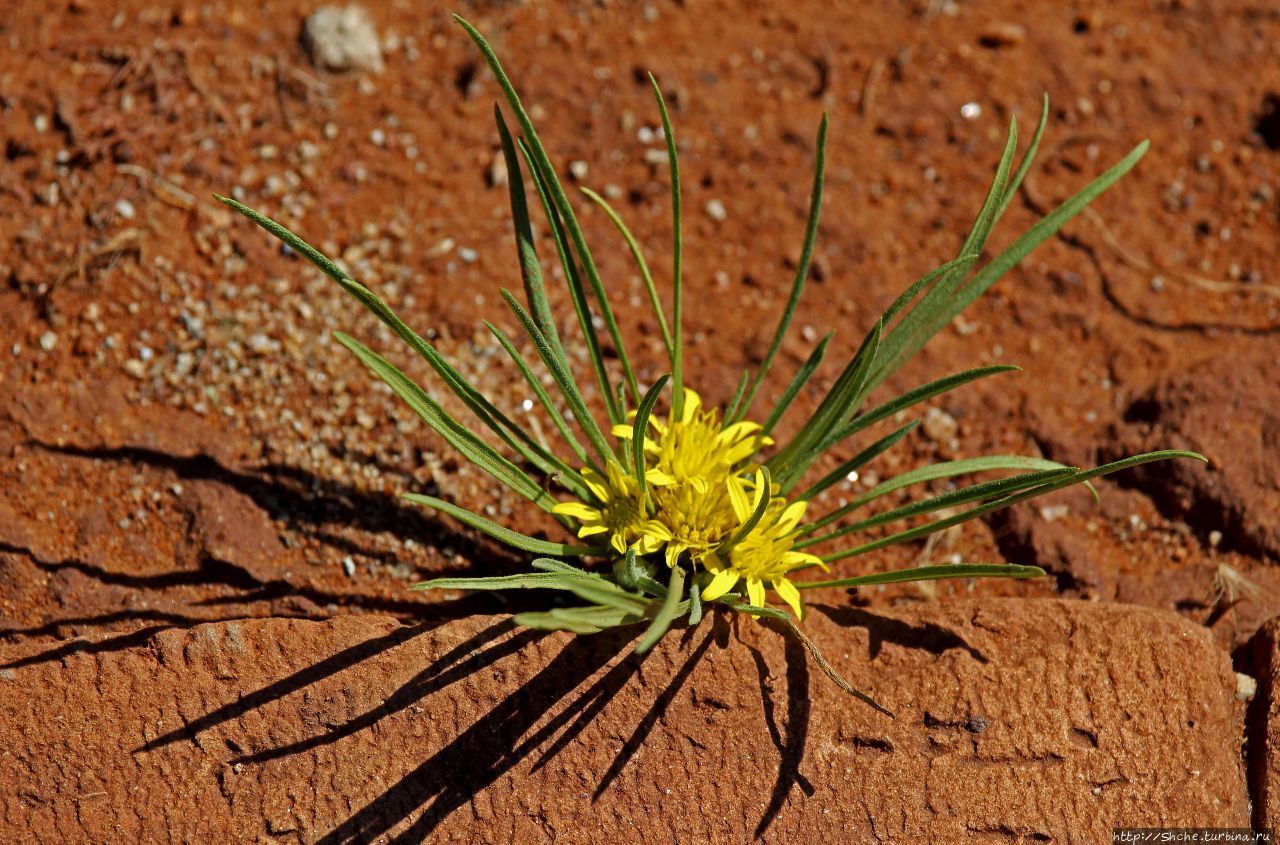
<point x="562" y="378"/>
<point x="577" y="291"/>
<point x="930" y="573"/>
<point x="911" y="333"/>
<point x="858" y="461"/>
<point x="901" y="403"/>
<point x="677" y="251"/>
<point x="456" y="435"/>
<point x="802" y="268"/>
<point x="666" y="613"/>
<point x="973" y="493"/>
<point x="547" y="564"/>
<point x="1036" y="235"/>
<point x="557" y="418"/>
<point x="1007" y="501"/>
<point x="502" y="534"/>
<point x="838" y="405"/>
<point x="637" y="255"/>
<point x="585" y="587"/>
<point x="577" y="620"/>
<point x="1027" y="159"/>
<point x="523" y="443"/>
<point x="797" y="384"/>
<point x="641" y="428"/>
<point x="530" y="268"/>
<point x="735" y="404"/>
<point x="932" y="472"/>
<point x="558" y="196"/>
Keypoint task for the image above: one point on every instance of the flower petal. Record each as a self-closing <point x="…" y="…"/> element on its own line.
<point x="577" y="510"/>
<point x="724" y="581"/>
<point x="788" y="593"/>
<point x="755" y="591"/>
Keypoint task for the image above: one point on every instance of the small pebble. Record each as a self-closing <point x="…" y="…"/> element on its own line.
<point x="48" y="340"/>
<point x="939" y="426"/>
<point x="971" y="111"/>
<point x="349" y="566"/>
<point x="125" y="209"/>
<point x="716" y="211"/>
<point x="468" y="254"/>
<point x="341" y="39"/>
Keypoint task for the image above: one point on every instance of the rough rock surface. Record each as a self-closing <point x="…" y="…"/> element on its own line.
<point x="1228" y="413"/>
<point x="1016" y="721"/>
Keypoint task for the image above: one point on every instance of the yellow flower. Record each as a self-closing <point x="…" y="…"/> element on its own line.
<point x="765" y="554"/>
<point x="622" y="513"/>
<point x="693" y="457"/>
<point x="697" y="448"/>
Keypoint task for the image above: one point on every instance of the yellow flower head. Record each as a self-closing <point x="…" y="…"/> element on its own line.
<point x="692" y="457"/>
<point x="765" y="554"/>
<point x="622" y="513"/>
<point x="697" y="448"/>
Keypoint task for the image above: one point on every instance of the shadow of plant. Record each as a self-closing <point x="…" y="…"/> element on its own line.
<point x="542" y="717"/>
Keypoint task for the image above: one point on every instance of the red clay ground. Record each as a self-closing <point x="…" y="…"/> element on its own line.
<point x="181" y="441"/>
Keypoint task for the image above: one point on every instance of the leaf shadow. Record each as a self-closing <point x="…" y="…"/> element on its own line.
<point x="926" y="636"/>
<point x="799" y="712"/>
<point x="490" y="747"/>
<point x="303" y="500"/>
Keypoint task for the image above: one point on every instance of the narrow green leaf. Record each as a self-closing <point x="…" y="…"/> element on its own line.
<point x="802" y="268"/>
<point x="530" y="268"/>
<point x="501" y="533"/>
<point x="561" y="200"/>
<point x="858" y="461"/>
<point x="1027" y="159"/>
<point x="797" y="384"/>
<point x="666" y="613"/>
<point x="1036" y="235"/>
<point x="1007" y="501"/>
<point x="557" y="418"/>
<point x="930" y="573"/>
<point x="641" y="428"/>
<point x="547" y="564"/>
<point x="932" y="472"/>
<point x="973" y="493"/>
<point x="677" y="251"/>
<point x="735" y="404"/>
<point x="958" y="265"/>
<point x="577" y="291"/>
<point x="906" y="400"/>
<point x="911" y="333"/>
<point x="513" y="435"/>
<point x="562" y="378"/>
<point x="585" y="587"/>
<point x="456" y="435"/>
<point x="841" y="401"/>
<point x="577" y="620"/>
<point x="637" y="254"/>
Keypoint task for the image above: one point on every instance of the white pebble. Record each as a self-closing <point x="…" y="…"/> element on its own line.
<point x="716" y="211"/>
<point x="125" y="209"/>
<point x="48" y="340"/>
<point x="971" y="111"/>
